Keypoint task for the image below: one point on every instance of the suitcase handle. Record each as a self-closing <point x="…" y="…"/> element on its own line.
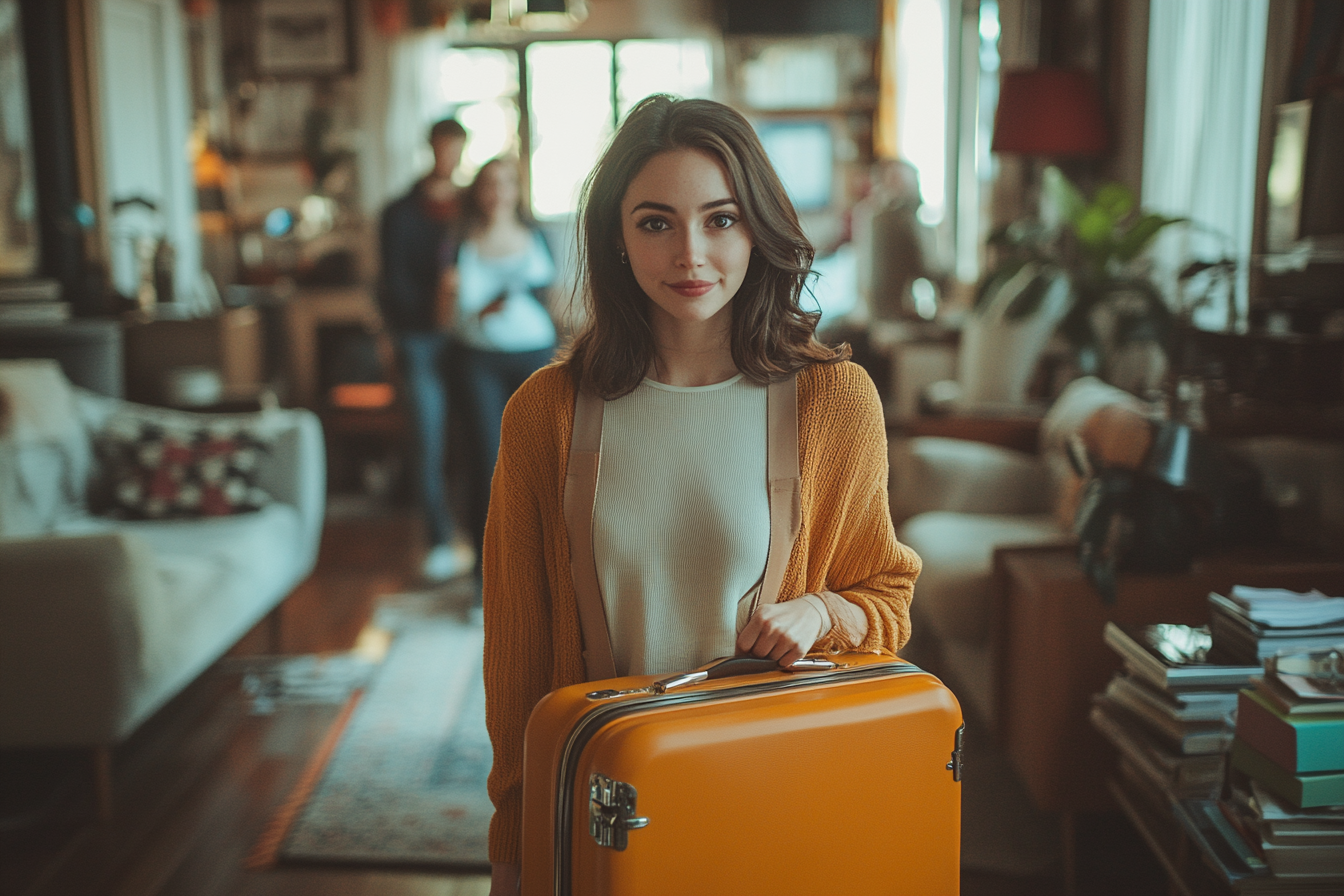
<point x="740" y="665"/>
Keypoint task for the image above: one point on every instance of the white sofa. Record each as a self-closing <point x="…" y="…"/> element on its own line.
<point x="103" y="620"/>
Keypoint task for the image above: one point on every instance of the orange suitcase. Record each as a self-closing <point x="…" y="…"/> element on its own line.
<point x="818" y="780"/>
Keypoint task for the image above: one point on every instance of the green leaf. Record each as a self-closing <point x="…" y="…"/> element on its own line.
<point x="992" y="283"/>
<point x="1026" y="302"/>
<point x="1000" y="235"/>
<point x="1116" y="199"/>
<point x="1137" y="238"/>
<point x="1094" y="227"/>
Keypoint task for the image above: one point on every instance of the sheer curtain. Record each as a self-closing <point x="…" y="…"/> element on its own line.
<point x="1205" y="66"/>
<point x="413" y="103"/>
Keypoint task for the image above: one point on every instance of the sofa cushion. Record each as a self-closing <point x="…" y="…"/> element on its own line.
<point x="219" y="576"/>
<point x="45" y="459"/>
<point x="935" y="473"/>
<point x="158" y="471"/>
<point x="954" y="597"/>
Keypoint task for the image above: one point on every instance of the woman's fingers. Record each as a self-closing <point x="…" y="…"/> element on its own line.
<point x="784" y="632"/>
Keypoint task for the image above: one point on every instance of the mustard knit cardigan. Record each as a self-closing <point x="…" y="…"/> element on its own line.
<point x="533" y="643"/>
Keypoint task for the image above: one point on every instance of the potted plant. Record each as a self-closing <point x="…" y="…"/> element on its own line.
<point x="1115" y="321"/>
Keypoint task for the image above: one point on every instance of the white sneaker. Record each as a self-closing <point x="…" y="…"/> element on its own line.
<point x="447" y="561"/>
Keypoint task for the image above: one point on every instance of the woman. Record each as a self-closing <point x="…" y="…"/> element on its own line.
<point x="693" y="264"/>
<point x="502" y="324"/>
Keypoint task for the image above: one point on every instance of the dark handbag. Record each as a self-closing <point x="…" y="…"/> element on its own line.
<point x="1189" y="496"/>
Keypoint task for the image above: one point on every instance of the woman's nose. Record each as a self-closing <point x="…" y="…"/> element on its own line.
<point x="691" y="251"/>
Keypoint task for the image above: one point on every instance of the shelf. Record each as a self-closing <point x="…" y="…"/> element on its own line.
<point x="1170" y="864"/>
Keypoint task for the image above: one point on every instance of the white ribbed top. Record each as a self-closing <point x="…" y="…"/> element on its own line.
<point x="681" y="523"/>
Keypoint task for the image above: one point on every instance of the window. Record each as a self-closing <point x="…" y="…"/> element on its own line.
<point x="921" y="98"/>
<point x="576" y="91"/>
<point x="644" y="67"/>
<point x="481" y="86"/>
<point x="946" y="63"/>
<point x="571" y="111"/>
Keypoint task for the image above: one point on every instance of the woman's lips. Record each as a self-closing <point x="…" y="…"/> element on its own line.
<point x="691" y="288"/>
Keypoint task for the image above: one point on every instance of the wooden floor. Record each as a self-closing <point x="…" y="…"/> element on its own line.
<point x="196" y="785"/>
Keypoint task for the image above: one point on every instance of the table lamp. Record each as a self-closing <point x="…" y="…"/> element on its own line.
<point x="1050" y="112"/>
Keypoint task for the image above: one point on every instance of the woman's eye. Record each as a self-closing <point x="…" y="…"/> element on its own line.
<point x="722" y="221"/>
<point x="654" y="225"/>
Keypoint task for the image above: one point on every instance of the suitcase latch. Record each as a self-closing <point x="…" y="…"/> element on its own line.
<point x="955" y="765"/>
<point x="611" y="811"/>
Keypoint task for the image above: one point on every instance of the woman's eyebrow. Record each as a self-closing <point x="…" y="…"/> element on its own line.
<point x="660" y="207"/>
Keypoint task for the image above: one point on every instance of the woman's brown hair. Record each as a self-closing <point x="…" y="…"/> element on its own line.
<point x="472" y="213"/>
<point x="772" y="335"/>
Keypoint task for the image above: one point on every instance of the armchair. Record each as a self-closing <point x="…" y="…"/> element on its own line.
<point x="956" y="501"/>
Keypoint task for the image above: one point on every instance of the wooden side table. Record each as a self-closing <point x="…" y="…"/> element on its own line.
<point x="1017" y="431"/>
<point x="1053" y="658"/>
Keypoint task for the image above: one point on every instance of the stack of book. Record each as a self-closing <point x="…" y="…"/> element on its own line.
<point x="1170" y="712"/>
<point x="32" y="302"/>
<point x="1278" y="826"/>
<point x="1251" y="624"/>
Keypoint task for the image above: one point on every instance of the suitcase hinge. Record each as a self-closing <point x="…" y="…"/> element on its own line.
<point x="955" y="765"/>
<point x="611" y="811"/>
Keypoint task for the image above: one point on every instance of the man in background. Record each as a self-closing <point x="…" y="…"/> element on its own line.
<point x="418" y="239"/>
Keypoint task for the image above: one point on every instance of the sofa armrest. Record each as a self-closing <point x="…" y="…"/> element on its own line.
<point x="76" y="613"/>
<point x="295" y="473"/>
<point x="934" y="473"/>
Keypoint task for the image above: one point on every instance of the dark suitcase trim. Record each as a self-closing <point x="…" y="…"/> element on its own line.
<point x="600" y="715"/>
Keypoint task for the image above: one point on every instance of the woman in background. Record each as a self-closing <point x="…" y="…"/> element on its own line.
<point x="502" y="322"/>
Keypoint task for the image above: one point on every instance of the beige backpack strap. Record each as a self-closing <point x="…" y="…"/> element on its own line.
<point x="585" y="449"/>
<point x="782" y="473"/>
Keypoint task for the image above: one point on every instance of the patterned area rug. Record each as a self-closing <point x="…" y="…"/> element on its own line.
<point x="405" y="785"/>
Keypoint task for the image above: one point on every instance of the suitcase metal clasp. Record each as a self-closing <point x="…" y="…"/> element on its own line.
<point x="955" y="765"/>
<point x="611" y="811"/>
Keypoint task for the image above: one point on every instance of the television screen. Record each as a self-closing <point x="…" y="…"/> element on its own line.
<point x="803" y="153"/>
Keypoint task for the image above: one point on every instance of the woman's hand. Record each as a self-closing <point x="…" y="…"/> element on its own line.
<point x="496" y="305"/>
<point x="445" y="299"/>
<point x="785" y="631"/>
<point x="505" y="879"/>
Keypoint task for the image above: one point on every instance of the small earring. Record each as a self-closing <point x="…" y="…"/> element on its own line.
<point x="625" y="259"/>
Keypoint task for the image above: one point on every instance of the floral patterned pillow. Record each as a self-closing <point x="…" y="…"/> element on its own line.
<point x="161" y="471"/>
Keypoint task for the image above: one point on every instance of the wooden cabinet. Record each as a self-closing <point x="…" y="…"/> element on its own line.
<point x="229" y="343"/>
<point x="305" y="314"/>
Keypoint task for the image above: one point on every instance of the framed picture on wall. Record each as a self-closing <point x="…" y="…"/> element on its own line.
<point x="303" y="38"/>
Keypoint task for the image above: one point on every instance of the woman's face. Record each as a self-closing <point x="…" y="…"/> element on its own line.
<point x="497" y="189"/>
<point x="685" y="236"/>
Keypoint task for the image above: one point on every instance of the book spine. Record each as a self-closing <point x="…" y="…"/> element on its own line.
<point x="1297" y="745"/>
<point x="1303" y="791"/>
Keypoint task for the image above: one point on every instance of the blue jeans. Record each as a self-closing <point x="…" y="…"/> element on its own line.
<point x="425" y="368"/>
<point x="489" y="380"/>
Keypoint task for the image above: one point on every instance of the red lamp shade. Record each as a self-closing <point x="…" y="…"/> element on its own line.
<point x="1049" y="112"/>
